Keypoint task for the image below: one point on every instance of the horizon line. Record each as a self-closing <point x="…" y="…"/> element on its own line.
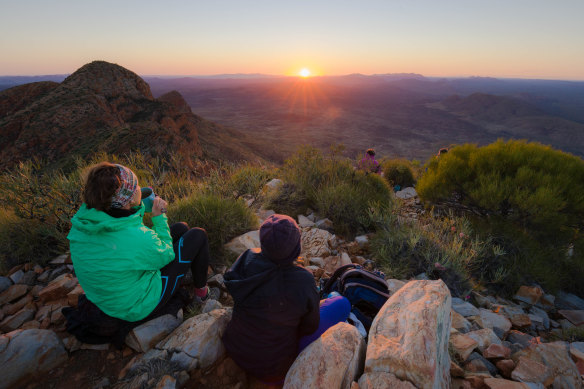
<point x="267" y="75"/>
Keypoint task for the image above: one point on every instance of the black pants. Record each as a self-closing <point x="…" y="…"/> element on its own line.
<point x="191" y="250"/>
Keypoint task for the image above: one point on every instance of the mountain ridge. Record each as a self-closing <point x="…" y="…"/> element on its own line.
<point x="105" y="107"/>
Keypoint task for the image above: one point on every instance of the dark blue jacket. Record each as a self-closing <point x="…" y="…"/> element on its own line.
<point x="274" y="306"/>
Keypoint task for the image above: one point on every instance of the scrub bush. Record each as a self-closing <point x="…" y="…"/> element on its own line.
<point x="222" y="218"/>
<point x="39" y="203"/>
<point x="330" y="185"/>
<point x="237" y="181"/>
<point x="445" y="248"/>
<point x="23" y="240"/>
<point x="534" y="198"/>
<point x="531" y="184"/>
<point x="398" y="172"/>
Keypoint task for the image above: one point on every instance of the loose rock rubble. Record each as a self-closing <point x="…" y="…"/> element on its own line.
<point x="421" y="338"/>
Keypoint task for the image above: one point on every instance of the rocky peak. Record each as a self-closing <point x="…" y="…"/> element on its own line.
<point x="109" y="80"/>
<point x="176" y="100"/>
<point x="18" y="97"/>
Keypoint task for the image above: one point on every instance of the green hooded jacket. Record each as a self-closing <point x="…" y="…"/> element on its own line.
<point x="118" y="260"/>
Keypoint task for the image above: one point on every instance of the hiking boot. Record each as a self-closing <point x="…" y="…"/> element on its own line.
<point x="212" y="294"/>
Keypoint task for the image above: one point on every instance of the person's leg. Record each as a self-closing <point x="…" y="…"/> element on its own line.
<point x="332" y="311"/>
<point x="177" y="230"/>
<point x="193" y="248"/>
<point x="172" y="276"/>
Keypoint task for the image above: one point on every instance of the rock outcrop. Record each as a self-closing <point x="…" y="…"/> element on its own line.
<point x="105" y="107"/>
<point x="239" y="244"/>
<point x="197" y="342"/>
<point x="26" y="354"/>
<point x="409" y="337"/>
<point x="333" y="361"/>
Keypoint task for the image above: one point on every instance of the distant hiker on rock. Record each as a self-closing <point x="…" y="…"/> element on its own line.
<point x="276" y="309"/>
<point x="368" y="164"/>
<point x="126" y="269"/>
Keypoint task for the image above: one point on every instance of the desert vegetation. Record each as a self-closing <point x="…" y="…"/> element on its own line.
<point x="329" y="184"/>
<point x="531" y="196"/>
<point x="39" y="202"/>
<point x="399" y="172"/>
<point x="533" y="199"/>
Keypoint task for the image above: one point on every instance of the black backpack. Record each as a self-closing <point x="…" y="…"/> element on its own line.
<point x="367" y="291"/>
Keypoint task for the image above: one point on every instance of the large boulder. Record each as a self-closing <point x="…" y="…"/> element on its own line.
<point x="334" y="262"/>
<point x="239" y="244"/>
<point x="303" y="221"/>
<point x="197" y="342"/>
<point x="272" y="186"/>
<point x="529" y="294"/>
<point x="498" y="323"/>
<point x="484" y="338"/>
<point x="464" y="308"/>
<point x="5" y="283"/>
<point x="569" y="301"/>
<point x="147" y="335"/>
<point x="15" y="321"/>
<point x="26" y="354"/>
<point x="499" y="383"/>
<point x="383" y="380"/>
<point x="406" y="193"/>
<point x="315" y="243"/>
<point x="462" y="345"/>
<point x="333" y="361"/>
<point x="556" y="357"/>
<point x="12" y="293"/>
<point x="58" y="288"/>
<point x="409" y="336"/>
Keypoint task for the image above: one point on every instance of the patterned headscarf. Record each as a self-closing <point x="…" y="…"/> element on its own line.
<point x="126" y="191"/>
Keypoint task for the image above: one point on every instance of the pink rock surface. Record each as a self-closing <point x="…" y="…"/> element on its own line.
<point x="409" y="336"/>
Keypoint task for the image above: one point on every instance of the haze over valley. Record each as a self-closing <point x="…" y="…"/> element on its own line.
<point x="403" y="115"/>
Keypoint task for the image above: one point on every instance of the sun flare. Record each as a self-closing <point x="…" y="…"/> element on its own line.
<point x="304" y="73"/>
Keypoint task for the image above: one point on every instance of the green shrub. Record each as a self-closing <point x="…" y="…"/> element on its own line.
<point x="538" y="259"/>
<point x="249" y="180"/>
<point x="237" y="181"/>
<point x="445" y="248"/>
<point x="398" y="172"/>
<point x="309" y="171"/>
<point x="287" y="200"/>
<point x="347" y="204"/>
<point x="331" y="186"/>
<point x="26" y="240"/>
<point x="535" y="197"/>
<point x="222" y="218"/>
<point x="49" y="198"/>
<point x="528" y="183"/>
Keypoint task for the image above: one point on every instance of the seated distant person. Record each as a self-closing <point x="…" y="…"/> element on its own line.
<point x="368" y="164"/>
<point x="126" y="269"/>
<point x="276" y="309"/>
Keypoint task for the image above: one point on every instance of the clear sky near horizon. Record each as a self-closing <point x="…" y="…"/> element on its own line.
<point x="499" y="38"/>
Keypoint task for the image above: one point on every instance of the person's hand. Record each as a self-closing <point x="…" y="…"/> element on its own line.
<point x="159" y="206"/>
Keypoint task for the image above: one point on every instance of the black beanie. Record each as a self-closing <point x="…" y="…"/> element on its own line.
<point x="280" y="239"/>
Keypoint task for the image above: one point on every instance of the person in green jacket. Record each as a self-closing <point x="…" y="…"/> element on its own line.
<point x="130" y="271"/>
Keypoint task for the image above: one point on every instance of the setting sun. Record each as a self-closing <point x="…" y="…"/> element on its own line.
<point x="304" y="73"/>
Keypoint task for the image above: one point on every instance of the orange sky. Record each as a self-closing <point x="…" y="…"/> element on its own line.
<point x="526" y="39"/>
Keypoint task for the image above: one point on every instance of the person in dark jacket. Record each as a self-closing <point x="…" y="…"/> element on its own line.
<point x="276" y="304"/>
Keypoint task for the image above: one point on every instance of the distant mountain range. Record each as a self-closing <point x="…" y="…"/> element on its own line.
<point x="404" y="115"/>
<point x="401" y="115"/>
<point x="104" y="107"/>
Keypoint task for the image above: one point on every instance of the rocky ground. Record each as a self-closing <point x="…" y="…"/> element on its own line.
<point x="422" y="337"/>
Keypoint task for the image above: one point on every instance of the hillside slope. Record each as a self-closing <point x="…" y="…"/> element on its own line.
<point x="103" y="107"/>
